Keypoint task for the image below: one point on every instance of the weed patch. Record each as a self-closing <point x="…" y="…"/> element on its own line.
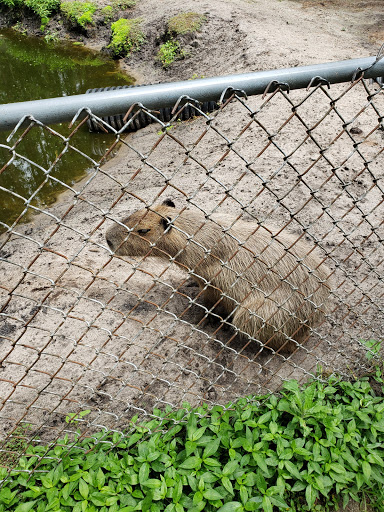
<point x="185" y="23"/>
<point x="42" y="8"/>
<point x="169" y="52"/>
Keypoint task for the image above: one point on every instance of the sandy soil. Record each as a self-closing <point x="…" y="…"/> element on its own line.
<point x="82" y="330"/>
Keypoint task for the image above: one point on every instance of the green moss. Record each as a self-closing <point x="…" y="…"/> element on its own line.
<point x="126" y="36"/>
<point x="169" y="52"/>
<point x="79" y="13"/>
<point x="185" y="22"/>
<point x="107" y="13"/>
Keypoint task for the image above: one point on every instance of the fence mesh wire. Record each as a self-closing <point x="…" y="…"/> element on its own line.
<point x="82" y="328"/>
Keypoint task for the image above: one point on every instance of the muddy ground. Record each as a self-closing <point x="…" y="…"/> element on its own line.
<point x="236" y="37"/>
<point x="83" y="330"/>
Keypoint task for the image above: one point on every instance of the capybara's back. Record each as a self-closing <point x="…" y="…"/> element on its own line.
<point x="272" y="287"/>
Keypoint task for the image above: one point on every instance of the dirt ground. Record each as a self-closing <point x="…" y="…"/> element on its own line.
<point x="83" y="330"/>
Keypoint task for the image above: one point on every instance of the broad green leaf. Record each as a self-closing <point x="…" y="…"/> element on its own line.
<point x="231" y="506"/>
<point x="25" y="507"/>
<point x="260" y="461"/>
<point x="243" y="494"/>
<point x="267" y="505"/>
<point x="278" y="501"/>
<point x="250" y="479"/>
<point x="211" y="462"/>
<point x="227" y="484"/>
<point x="212" y="495"/>
<point x="83" y="488"/>
<point x="100" y="478"/>
<point x="310" y="495"/>
<point x="152" y="483"/>
<point x="211" y="448"/>
<point x="46" y="480"/>
<point x="366" y="467"/>
<point x="177" y="491"/>
<point x="303" y="452"/>
<point x="144" y="472"/>
<point x="98" y="498"/>
<point x="198" y="433"/>
<point x="230" y="468"/>
<point x="261" y="483"/>
<point x="6" y="496"/>
<point x="292" y="469"/>
<point x="374" y="458"/>
<point x="264" y="418"/>
<point x="338" y="468"/>
<point x="191" y="463"/>
<point x="57" y="474"/>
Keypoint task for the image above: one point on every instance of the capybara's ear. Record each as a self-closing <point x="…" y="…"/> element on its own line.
<point x="169" y="202"/>
<point x="166" y="222"/>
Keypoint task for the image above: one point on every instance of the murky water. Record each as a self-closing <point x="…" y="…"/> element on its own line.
<point x="32" y="69"/>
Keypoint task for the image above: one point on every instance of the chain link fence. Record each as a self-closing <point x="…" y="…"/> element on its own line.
<point x="84" y="328"/>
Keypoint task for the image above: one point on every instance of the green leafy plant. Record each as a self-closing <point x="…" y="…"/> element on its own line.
<point x="302" y="450"/>
<point x="185" y="23"/>
<point x="51" y="37"/>
<point x="79" y="13"/>
<point x="11" y="3"/>
<point x="169" y="52"/>
<point x="73" y="417"/>
<point x="196" y="76"/>
<point x="126" y="36"/>
<point x="43" y="8"/>
<point x="19" y="27"/>
<point x="373" y="347"/>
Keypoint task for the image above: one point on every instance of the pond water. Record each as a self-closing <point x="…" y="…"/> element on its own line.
<point x="31" y="69"/>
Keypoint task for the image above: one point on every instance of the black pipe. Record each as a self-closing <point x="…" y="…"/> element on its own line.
<point x="142" y="119"/>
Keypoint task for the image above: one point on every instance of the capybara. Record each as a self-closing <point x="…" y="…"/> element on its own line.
<point x="271" y="287"/>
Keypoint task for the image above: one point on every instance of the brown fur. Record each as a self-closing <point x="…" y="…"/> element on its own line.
<point x="274" y="287"/>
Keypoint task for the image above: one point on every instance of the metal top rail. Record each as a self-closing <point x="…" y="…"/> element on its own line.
<point x="109" y="103"/>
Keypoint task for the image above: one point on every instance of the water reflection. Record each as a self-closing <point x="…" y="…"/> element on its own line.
<point x="34" y="70"/>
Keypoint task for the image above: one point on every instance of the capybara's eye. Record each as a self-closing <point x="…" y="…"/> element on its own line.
<point x="143" y="231"/>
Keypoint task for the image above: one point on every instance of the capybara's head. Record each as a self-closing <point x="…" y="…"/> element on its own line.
<point x="144" y="228"/>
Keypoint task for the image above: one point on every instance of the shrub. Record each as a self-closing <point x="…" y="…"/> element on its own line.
<point x="79" y="13"/>
<point x="185" y="22"/>
<point x="126" y="36"/>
